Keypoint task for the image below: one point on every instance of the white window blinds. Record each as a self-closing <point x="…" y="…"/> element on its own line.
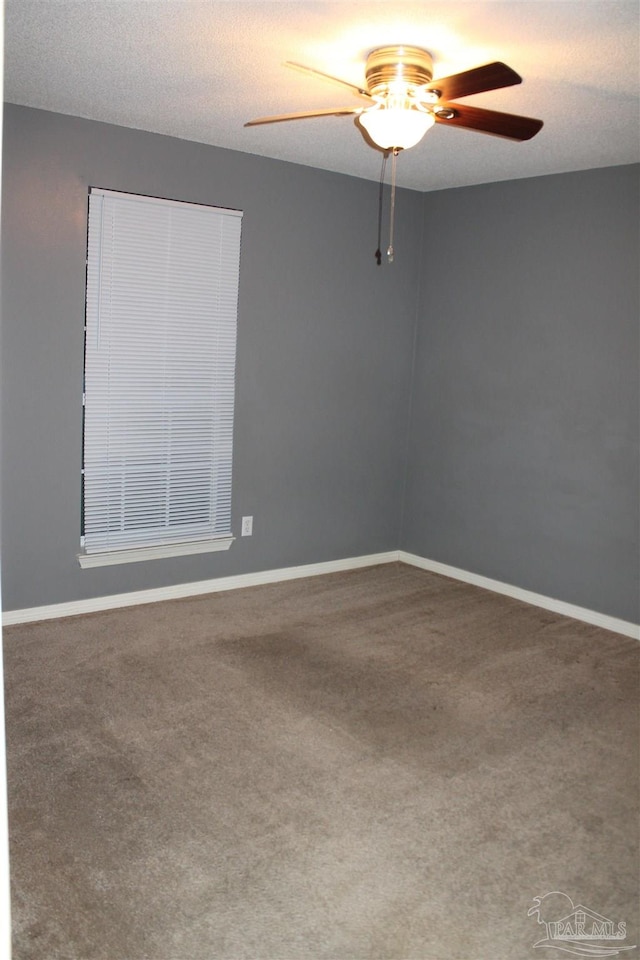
<point x="161" y="313"/>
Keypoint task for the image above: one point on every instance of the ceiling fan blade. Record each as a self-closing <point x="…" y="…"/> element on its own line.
<point x="305" y="114"/>
<point x="327" y="76"/>
<point x="487" y="121"/>
<point x="492" y="76"/>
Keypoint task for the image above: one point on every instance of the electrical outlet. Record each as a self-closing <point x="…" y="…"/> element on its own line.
<point x="247" y="526"/>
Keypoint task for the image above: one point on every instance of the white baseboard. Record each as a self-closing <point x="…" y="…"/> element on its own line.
<point x="93" y="605"/>
<point x="527" y="596"/>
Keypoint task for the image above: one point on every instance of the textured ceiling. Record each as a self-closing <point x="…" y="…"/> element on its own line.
<point x="199" y="70"/>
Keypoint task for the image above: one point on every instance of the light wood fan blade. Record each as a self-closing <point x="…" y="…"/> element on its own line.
<point x="327" y="76"/>
<point x="487" y="121"/>
<point x="305" y="114"/>
<point x="492" y="76"/>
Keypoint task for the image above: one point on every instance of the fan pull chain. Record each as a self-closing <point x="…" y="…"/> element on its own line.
<point x="393" y="206"/>
<point x="378" y="253"/>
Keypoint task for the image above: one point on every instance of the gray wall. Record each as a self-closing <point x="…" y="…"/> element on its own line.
<point x="523" y="299"/>
<point x="324" y="354"/>
<point x="523" y="448"/>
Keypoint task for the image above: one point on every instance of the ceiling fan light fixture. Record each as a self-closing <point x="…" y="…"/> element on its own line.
<point x="396" y="128"/>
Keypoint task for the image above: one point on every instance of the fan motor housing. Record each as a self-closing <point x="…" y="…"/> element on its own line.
<point x="386" y="65"/>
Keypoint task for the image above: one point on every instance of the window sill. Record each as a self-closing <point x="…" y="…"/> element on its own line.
<point x="136" y="554"/>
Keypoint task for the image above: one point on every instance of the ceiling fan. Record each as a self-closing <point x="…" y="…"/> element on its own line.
<point x="403" y="100"/>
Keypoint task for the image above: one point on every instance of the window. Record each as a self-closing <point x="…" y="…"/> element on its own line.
<point x="160" y="344"/>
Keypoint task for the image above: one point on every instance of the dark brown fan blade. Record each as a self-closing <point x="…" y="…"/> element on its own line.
<point x="487" y="121"/>
<point x="327" y="76"/>
<point x="305" y="114"/>
<point x="492" y="76"/>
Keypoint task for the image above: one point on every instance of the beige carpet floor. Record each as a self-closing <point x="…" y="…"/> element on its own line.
<point x="378" y="764"/>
